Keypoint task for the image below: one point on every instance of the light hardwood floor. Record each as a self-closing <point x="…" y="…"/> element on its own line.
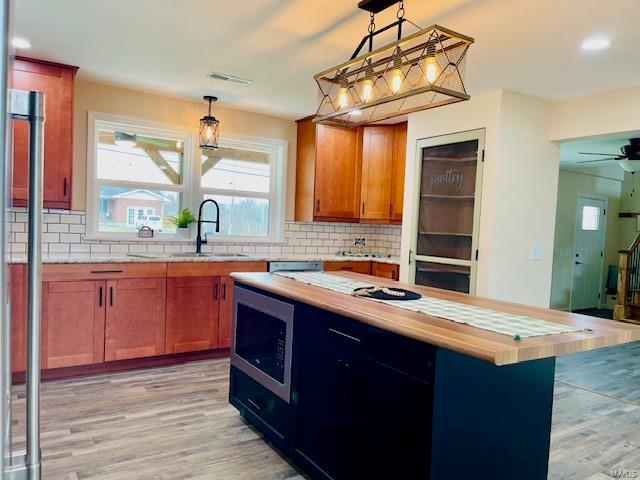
<point x="175" y="423"/>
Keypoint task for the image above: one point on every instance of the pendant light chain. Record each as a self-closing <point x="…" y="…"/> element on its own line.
<point x="372" y="23"/>
<point x="400" y="14"/>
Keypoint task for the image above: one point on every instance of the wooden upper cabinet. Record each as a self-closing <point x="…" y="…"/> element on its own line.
<point x="350" y="174"/>
<point x="192" y="314"/>
<point x="56" y="81"/>
<point x="377" y="159"/>
<point x="72" y="323"/>
<point x="226" y="312"/>
<point x="337" y="174"/>
<point x="135" y="325"/>
<point x="397" y="171"/>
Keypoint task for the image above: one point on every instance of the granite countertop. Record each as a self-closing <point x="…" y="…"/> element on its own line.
<point x="166" y="258"/>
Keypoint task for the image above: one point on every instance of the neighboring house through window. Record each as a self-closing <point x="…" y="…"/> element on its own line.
<point x="139" y="173"/>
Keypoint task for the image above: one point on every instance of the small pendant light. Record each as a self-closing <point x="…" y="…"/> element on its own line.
<point x="209" y="126"/>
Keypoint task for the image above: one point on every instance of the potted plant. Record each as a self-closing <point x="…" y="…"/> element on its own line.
<point x="182" y="222"/>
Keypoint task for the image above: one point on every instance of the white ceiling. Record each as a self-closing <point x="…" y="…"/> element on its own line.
<point x="169" y="46"/>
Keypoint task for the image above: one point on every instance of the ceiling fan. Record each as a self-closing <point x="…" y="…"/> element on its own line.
<point x="628" y="158"/>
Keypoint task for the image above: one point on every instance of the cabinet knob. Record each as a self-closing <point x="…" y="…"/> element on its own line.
<point x="64" y="187"/>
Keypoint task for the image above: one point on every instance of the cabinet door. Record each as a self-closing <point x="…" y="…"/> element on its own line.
<point x="390" y="431"/>
<point x="135" y="318"/>
<point x="56" y="81"/>
<point x="377" y="157"/>
<point x="320" y="393"/>
<point x="72" y="323"/>
<point x="385" y="270"/>
<point x="397" y="171"/>
<point x="192" y="314"/>
<point x="337" y="174"/>
<point x="346" y="266"/>
<point x="226" y="312"/>
<point x="18" y="299"/>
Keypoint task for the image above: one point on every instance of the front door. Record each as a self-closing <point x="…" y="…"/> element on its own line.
<point x="588" y="253"/>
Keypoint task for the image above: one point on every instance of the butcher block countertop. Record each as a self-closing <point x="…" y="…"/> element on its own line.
<point x="488" y="346"/>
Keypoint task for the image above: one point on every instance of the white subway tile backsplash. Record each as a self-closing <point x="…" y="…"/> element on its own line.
<point x="59" y="248"/>
<point x="58" y="227"/>
<point x="70" y="219"/>
<point x="51" y="237"/>
<point x="64" y="233"/>
<point x="69" y="238"/>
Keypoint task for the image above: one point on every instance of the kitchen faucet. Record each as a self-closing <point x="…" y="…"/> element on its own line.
<point x="199" y="240"/>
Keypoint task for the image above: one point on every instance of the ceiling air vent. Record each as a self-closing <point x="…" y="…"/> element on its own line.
<point x="229" y="78"/>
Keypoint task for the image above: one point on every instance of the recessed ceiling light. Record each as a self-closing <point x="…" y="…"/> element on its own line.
<point x="356" y="112"/>
<point x="21" y="43"/>
<point x="596" y="43"/>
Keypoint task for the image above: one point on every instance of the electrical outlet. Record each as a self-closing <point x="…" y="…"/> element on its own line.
<point x="360" y="242"/>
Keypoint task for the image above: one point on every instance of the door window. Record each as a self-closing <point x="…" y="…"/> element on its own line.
<point x="590" y="218"/>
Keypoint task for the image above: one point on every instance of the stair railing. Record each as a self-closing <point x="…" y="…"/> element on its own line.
<point x="628" y="280"/>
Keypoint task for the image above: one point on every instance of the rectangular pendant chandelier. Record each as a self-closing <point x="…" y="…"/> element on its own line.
<point x="423" y="70"/>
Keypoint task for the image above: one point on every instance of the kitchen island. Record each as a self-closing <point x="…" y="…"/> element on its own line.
<point x="357" y="389"/>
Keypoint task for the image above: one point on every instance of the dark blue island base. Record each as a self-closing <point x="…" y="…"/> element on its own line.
<point x="369" y="404"/>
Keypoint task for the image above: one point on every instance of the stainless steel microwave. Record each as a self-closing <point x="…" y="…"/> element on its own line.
<point x="262" y="339"/>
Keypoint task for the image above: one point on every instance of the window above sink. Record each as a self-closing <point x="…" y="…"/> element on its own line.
<point x="139" y="173"/>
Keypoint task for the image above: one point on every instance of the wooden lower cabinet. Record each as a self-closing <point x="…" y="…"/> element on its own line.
<point x="18" y="296"/>
<point x="192" y="314"/>
<point x="378" y="269"/>
<point x="96" y="313"/>
<point x="348" y="266"/>
<point x="385" y="270"/>
<point x="135" y="320"/>
<point x="72" y="323"/>
<point x="226" y="312"/>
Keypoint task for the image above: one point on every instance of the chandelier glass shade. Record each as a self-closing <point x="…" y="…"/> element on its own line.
<point x="423" y="70"/>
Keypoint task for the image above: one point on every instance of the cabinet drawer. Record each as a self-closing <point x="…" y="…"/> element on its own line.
<point x="102" y="271"/>
<point x="249" y="396"/>
<point x="404" y="354"/>
<point x="348" y="266"/>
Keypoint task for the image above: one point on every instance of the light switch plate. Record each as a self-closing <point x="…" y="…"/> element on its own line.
<point x="536" y="253"/>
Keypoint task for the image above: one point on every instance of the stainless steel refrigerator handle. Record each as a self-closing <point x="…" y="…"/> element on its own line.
<point x="5" y="188"/>
<point x="30" y="106"/>
<point x="34" y="280"/>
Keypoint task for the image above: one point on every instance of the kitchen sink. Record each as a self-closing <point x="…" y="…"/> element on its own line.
<point x="186" y="255"/>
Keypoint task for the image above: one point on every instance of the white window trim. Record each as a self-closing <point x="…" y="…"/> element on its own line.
<point x="192" y="191"/>
<point x="277" y="150"/>
<point x="134" y="125"/>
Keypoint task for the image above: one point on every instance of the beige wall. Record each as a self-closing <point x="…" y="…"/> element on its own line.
<point x="482" y="111"/>
<point x="601" y="114"/>
<point x="518" y="193"/>
<point x="174" y="111"/>
<point x="572" y="184"/>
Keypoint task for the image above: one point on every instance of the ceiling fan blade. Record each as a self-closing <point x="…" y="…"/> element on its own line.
<point x="605" y="154"/>
<point x="601" y="160"/>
